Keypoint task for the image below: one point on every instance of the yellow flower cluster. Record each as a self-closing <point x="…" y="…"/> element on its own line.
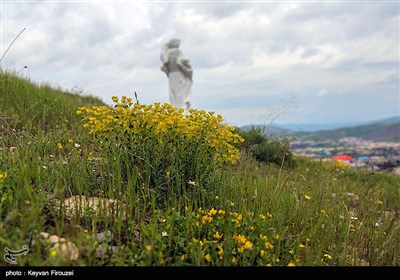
<point x="165" y="123"/>
<point x="216" y="239"/>
<point x="243" y="242"/>
<point x="209" y="216"/>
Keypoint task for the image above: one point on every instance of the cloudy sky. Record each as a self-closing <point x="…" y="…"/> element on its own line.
<point x="254" y="62"/>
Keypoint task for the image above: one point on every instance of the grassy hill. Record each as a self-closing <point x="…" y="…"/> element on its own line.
<point x="57" y="180"/>
<point x="27" y="108"/>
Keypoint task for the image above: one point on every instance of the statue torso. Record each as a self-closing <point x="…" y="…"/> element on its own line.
<point x="173" y="56"/>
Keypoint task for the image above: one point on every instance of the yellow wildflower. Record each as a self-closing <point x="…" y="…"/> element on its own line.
<point x="329" y="257"/>
<point x="59" y="145"/>
<point x="212" y="212"/>
<point x="268" y="246"/>
<point x="206" y="219"/>
<point x="234" y="261"/>
<point x="218" y="236"/>
<point x="207" y="257"/>
<point x="263" y="237"/>
<point x="240" y="239"/>
<point x="308" y="197"/>
<point x="291" y="264"/>
<point x="3" y="175"/>
<point x="220" y="251"/>
<point x="148" y="248"/>
<point x="183" y="257"/>
<point x="248" y="245"/>
<point x="53" y="253"/>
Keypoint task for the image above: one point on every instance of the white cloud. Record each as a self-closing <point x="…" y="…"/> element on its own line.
<point x="244" y="55"/>
<point x="322" y="92"/>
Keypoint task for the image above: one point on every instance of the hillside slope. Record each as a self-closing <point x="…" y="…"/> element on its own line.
<point x="56" y="180"/>
<point x="29" y="107"/>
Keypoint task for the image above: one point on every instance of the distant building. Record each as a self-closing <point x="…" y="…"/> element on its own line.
<point x="342" y="157"/>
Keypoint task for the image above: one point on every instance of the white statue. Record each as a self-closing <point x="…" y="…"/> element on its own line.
<point x="179" y="71"/>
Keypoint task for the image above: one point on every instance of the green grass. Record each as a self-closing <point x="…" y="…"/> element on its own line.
<point x="257" y="213"/>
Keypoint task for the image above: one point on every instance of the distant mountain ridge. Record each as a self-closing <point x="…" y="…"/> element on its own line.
<point x="387" y="130"/>
<point x="394" y="119"/>
<point x="307" y="127"/>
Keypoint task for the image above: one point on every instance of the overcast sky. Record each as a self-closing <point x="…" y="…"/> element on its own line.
<point x="286" y="62"/>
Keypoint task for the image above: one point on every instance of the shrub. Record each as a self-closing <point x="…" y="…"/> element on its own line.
<point x="266" y="150"/>
<point x="169" y="150"/>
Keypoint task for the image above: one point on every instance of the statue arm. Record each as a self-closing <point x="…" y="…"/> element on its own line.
<point x="164" y="54"/>
<point x="164" y="68"/>
<point x="185" y="67"/>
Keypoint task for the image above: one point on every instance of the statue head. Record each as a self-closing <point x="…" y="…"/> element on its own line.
<point x="174" y="43"/>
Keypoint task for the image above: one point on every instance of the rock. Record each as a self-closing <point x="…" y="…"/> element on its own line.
<point x="389" y="215"/>
<point x="65" y="248"/>
<point x="352" y="199"/>
<point x="360" y="262"/>
<point x="105" y="236"/>
<point x="83" y="205"/>
<point x="11" y="149"/>
<point x="103" y="250"/>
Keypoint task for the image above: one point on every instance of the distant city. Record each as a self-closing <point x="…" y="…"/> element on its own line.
<point x="353" y="151"/>
<point x="373" y="146"/>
